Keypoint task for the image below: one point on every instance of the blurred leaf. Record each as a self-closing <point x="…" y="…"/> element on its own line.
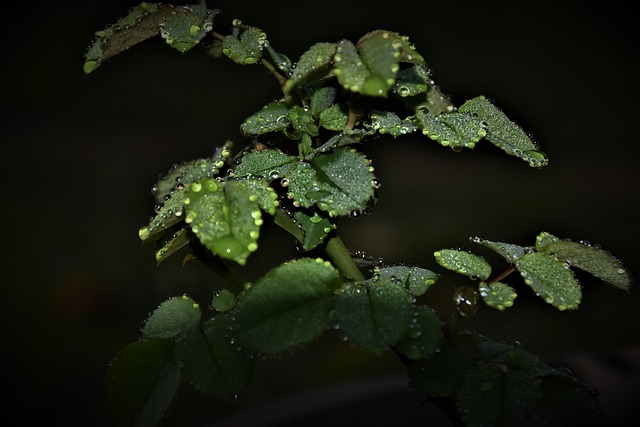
<point x="566" y="402"/>
<point x="246" y="47"/>
<point x="287" y="307"/>
<point x="338" y="183"/>
<point x="503" y="132"/>
<point x="211" y="362"/>
<point x="416" y="280"/>
<point x="322" y="98"/>
<point x="374" y="314"/>
<point x="141" y="381"/>
<point x="593" y="260"/>
<point x="423" y="336"/>
<point x="497" y="295"/>
<point x="463" y="263"/>
<point x="550" y="279"/>
<point x="173" y="317"/>
<point x="223" y="301"/>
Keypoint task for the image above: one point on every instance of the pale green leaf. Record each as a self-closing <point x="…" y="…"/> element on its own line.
<point x="287" y="307"/>
<point x="173" y="317"/>
<point x="463" y="262"/>
<point x="550" y="279"/>
<point x="593" y="260"/>
<point x="374" y="315"/>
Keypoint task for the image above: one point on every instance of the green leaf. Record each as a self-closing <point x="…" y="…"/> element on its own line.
<point x="272" y="117"/>
<point x="440" y="375"/>
<point x="423" y="336"/>
<point x="416" y="280"/>
<point x="314" y="64"/>
<point x="508" y="251"/>
<point x="141" y="381"/>
<point x="245" y="47"/>
<point x="223" y="301"/>
<point x="465" y="263"/>
<point x="338" y="183"/>
<point x="411" y="81"/>
<point x="497" y="295"/>
<point x="543" y="239"/>
<point x="386" y="122"/>
<point x="301" y="122"/>
<point x="349" y="69"/>
<point x="173" y="317"/>
<point x="322" y="99"/>
<point x="456" y="130"/>
<point x="550" y="279"/>
<point x="173" y="243"/>
<point x="211" y="362"/>
<point x="170" y="190"/>
<point x="488" y="396"/>
<point x="593" y="260"/>
<point x="288" y="307"/>
<point x="225" y="216"/>
<point x="566" y="402"/>
<point x="374" y="314"/>
<point x="504" y="133"/>
<point x="268" y="163"/>
<point x="187" y="26"/>
<point x="334" y="117"/>
<point x="315" y="229"/>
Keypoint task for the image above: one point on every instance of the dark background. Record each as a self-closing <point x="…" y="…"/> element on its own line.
<point x="80" y="155"/>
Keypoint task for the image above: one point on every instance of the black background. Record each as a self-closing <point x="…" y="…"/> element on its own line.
<point x="80" y="154"/>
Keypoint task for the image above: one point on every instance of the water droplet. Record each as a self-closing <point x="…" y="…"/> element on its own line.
<point x="196" y="187"/>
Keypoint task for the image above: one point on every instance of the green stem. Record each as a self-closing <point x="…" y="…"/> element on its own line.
<point x="339" y="254"/>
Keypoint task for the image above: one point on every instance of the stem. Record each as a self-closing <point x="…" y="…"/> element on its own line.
<point x="339" y="254"/>
<point x="502" y="275"/>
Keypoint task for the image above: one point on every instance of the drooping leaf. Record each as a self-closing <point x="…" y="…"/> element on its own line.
<point x="141" y="381"/>
<point x="456" y="130"/>
<point x="245" y="46"/>
<point x="173" y="243"/>
<point x="463" y="263"/>
<point x="504" y="133"/>
<point x="313" y="64"/>
<point x="272" y="117"/>
<point x="211" y="362"/>
<point x="225" y="216"/>
<point x="509" y="251"/>
<point x="416" y="280"/>
<point x="173" y="317"/>
<point x="374" y="314"/>
<point x="550" y="279"/>
<point x="593" y="260"/>
<point x="497" y="294"/>
<point x="423" y="336"/>
<point x="315" y="229"/>
<point x="338" y="183"/>
<point x="287" y="307"/>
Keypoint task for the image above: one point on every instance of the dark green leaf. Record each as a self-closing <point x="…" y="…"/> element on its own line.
<point x="334" y="117"/>
<point x="386" y="122"/>
<point x="509" y="251"/>
<point x="504" y="133"/>
<point x="566" y="402"/>
<point x="272" y="117"/>
<point x="550" y="279"/>
<point x="315" y="229"/>
<point x="374" y="314"/>
<point x="187" y="26"/>
<point x="301" y="123"/>
<point x="313" y="64"/>
<point x="245" y="47"/>
<point x="173" y="317"/>
<point x="463" y="263"/>
<point x="497" y="295"/>
<point x="268" y="163"/>
<point x="456" y="130"/>
<point x="593" y="260"/>
<point x="141" y="382"/>
<point x="440" y="375"/>
<point x="287" y="307"/>
<point x="223" y="301"/>
<point x="211" y="362"/>
<point x="173" y="243"/>
<point x="411" y="81"/>
<point x="416" y="280"/>
<point x="423" y="336"/>
<point x="322" y="99"/>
